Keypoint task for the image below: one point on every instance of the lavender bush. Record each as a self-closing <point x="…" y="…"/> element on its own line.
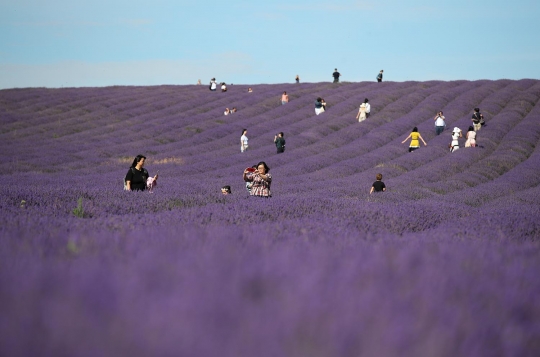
<point x="444" y="263"/>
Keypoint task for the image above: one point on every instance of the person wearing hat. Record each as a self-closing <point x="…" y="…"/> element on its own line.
<point x="362" y="115"/>
<point x="336" y="75"/>
<point x="456" y="134"/>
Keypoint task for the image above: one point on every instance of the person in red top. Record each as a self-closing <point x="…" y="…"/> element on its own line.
<point x="261" y="179"/>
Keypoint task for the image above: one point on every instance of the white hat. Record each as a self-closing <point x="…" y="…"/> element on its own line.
<point x="456" y="130"/>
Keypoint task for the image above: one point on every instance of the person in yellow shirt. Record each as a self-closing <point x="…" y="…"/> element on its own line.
<point x="415" y="143"/>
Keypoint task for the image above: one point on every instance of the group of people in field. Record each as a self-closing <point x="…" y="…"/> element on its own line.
<point x="440" y="125"/>
<point x="258" y="179"/>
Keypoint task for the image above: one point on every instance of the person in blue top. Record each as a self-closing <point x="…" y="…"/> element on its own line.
<point x="379" y="76"/>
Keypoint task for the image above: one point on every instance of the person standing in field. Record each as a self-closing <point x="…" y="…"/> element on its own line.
<point x="477" y="119"/>
<point x="284" y="98"/>
<point x="456" y="134"/>
<point x="379" y="76"/>
<point x="378" y="186"/>
<point x="440" y="124"/>
<point x="336" y="75"/>
<point x="261" y="180"/>
<point x="297" y="79"/>
<point x="244" y="141"/>
<point x="137" y="176"/>
<point x="361" y="116"/>
<point x="415" y="143"/>
<point x="279" y="140"/>
<point x="319" y="107"/>
<point x="213" y="85"/>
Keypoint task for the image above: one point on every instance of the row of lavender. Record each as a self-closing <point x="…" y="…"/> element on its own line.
<point x="444" y="263"/>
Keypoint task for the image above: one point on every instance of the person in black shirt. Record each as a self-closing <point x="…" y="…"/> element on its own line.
<point x="137" y="175"/>
<point x="279" y="140"/>
<point x="378" y="186"/>
<point x="336" y="75"/>
<point x="477" y="119"/>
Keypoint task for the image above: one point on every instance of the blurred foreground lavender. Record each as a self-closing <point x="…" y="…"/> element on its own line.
<point x="443" y="264"/>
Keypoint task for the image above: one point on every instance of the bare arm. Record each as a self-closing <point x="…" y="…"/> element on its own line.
<point x="406" y="138"/>
<point x="372" y="188"/>
<point x="421" y="138"/>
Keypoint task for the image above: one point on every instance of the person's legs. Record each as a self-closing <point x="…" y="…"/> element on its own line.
<point x="439" y="129"/>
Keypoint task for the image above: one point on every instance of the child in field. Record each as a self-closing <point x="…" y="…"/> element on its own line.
<point x="378" y="186"/>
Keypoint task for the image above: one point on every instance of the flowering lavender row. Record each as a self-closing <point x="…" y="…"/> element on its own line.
<point x="443" y="263"/>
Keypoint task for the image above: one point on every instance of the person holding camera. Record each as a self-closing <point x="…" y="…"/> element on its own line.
<point x="279" y="140"/>
<point x="261" y="180"/>
<point x="440" y="124"/>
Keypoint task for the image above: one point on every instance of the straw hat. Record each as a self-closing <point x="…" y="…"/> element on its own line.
<point x="456" y="130"/>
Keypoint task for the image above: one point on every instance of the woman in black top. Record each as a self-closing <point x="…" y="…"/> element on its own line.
<point x="137" y="175"/>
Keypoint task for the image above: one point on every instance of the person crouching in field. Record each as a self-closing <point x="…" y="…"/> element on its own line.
<point x="378" y="186"/>
<point x="261" y="179"/>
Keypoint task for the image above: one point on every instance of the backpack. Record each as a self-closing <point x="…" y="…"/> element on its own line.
<point x="145" y="175"/>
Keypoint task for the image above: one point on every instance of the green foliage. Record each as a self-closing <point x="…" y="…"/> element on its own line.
<point x="79" y="210"/>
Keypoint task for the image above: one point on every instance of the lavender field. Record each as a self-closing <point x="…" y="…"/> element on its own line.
<point x="446" y="262"/>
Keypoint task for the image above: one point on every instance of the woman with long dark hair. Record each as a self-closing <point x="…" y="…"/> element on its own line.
<point x="415" y="143"/>
<point x="137" y="175"/>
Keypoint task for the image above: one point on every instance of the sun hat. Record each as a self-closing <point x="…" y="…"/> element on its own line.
<point x="456" y="130"/>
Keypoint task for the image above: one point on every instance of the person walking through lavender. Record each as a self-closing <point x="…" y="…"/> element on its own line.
<point x="361" y="116"/>
<point x="456" y="134"/>
<point x="379" y="76"/>
<point x="471" y="138"/>
<point x="378" y="186"/>
<point x="415" y="143"/>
